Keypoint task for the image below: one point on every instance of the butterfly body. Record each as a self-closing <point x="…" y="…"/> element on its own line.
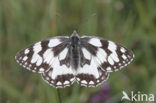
<point x="62" y="60"/>
<point x="75" y="51"/>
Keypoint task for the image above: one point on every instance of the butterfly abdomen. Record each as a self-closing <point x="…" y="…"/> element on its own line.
<point x="75" y="52"/>
<point x="75" y="58"/>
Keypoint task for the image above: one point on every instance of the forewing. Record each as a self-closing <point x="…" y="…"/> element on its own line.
<point x="39" y="56"/>
<point x="109" y="55"/>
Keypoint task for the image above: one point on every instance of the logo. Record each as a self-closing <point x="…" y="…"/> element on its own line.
<point x="137" y="96"/>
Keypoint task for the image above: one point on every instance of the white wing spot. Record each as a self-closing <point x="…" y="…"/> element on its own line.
<point x="25" y="58"/>
<point x="114" y="57"/>
<point x="50" y="72"/>
<point x="108" y="68"/>
<point x="41" y="69"/>
<point x="133" y="55"/>
<point x="54" y="42"/>
<point x="47" y="78"/>
<point x="101" y="54"/>
<point x="129" y="56"/>
<point x="84" y="36"/>
<point x="91" y="82"/>
<point x="59" y="83"/>
<point x="66" y="82"/>
<point x="86" y="54"/>
<point x="95" y="42"/>
<point x="127" y="60"/>
<point x="84" y="82"/>
<point x="122" y="50"/>
<point x="72" y="79"/>
<point x="111" y="46"/>
<point x="35" y="58"/>
<point x="124" y="57"/>
<point x="26" y="51"/>
<point x="100" y="73"/>
<point x="103" y="77"/>
<point x="121" y="67"/>
<point x="89" y="69"/>
<point x="59" y="69"/>
<point x="63" y="54"/>
<point x="78" y="79"/>
<point x="39" y="61"/>
<point x="110" y="60"/>
<point x="30" y="65"/>
<point x="48" y="56"/>
<point x="37" y="47"/>
<point x="17" y="61"/>
<point x="20" y="58"/>
<point x="33" y="70"/>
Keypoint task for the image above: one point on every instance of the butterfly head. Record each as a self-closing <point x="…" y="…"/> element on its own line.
<point x="75" y="33"/>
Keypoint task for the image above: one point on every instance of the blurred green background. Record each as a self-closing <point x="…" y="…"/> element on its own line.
<point x="131" y="23"/>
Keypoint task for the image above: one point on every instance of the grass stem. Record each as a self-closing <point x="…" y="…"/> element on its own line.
<point x="59" y="96"/>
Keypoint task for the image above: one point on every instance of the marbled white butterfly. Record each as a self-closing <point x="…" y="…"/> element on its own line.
<point x="61" y="60"/>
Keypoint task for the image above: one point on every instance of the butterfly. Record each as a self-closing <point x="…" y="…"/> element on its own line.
<point x="63" y="60"/>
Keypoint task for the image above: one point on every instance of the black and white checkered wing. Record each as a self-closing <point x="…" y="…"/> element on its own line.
<point x="49" y="57"/>
<point x="99" y="57"/>
<point x="39" y="56"/>
<point x="89" y="62"/>
<point x="110" y="56"/>
<point x="90" y="74"/>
